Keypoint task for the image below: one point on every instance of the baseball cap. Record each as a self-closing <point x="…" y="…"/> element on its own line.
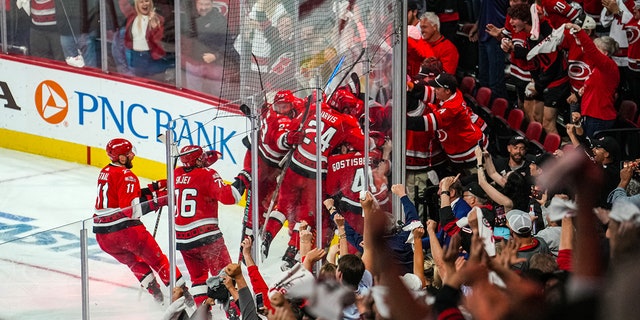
<point x="519" y="221"/>
<point x="476" y="190"/>
<point x="540" y="159"/>
<point x="444" y="80"/>
<point x="610" y="145"/>
<point x="515" y="140"/>
<point x="413" y="5"/>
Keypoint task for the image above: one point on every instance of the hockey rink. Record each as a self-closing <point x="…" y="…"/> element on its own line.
<point x="42" y="204"/>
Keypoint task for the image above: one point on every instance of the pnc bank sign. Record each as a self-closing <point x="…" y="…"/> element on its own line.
<point x="54" y="105"/>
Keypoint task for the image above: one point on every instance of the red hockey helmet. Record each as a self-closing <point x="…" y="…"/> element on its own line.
<point x="117" y="147"/>
<point x="344" y="101"/>
<point x="283" y="102"/>
<point x="190" y="154"/>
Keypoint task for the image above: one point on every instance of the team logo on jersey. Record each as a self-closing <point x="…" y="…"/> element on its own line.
<point x="579" y="70"/>
<point x="633" y="34"/>
<point x="222" y="6"/>
<point x="51" y="102"/>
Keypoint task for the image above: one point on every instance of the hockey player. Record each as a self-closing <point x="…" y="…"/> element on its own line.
<point x="275" y="140"/>
<point x="198" y="190"/>
<point x="298" y="200"/>
<point x="119" y="205"/>
<point x="345" y="179"/>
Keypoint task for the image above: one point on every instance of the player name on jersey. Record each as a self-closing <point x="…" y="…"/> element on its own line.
<point x="352" y="162"/>
<point x="183" y="179"/>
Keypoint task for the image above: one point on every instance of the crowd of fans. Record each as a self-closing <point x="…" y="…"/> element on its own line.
<point x="517" y="235"/>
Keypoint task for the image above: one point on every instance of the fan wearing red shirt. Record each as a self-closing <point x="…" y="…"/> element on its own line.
<point x="443" y="49"/>
<point x="598" y="93"/>
<point x="451" y="121"/>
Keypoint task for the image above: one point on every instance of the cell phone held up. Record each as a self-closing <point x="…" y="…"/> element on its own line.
<point x="259" y="301"/>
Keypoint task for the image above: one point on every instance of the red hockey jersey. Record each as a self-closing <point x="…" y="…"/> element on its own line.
<point x="345" y="176"/>
<point x="197" y="195"/>
<point x="118" y="200"/>
<point x="579" y="71"/>
<point x="272" y="130"/>
<point x="451" y="121"/>
<point x="632" y="29"/>
<point x="335" y="127"/>
<point x="423" y="148"/>
<point x="559" y="12"/>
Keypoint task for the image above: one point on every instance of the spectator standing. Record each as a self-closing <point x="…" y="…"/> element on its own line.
<point x="350" y="271"/>
<point x="443" y="48"/>
<point x="424" y="152"/>
<point x="550" y="77"/>
<point x="143" y="38"/>
<point x="447" y="12"/>
<point x="77" y="21"/>
<point x="44" y="37"/>
<point x="518" y="25"/>
<point x="207" y="55"/>
<point x="451" y="120"/>
<point x="262" y="39"/>
<point x="598" y="93"/>
<point x="119" y="232"/>
<point x="633" y="54"/>
<point x="559" y="12"/>
<point x="614" y="15"/>
<point x="516" y="190"/>
<point x="490" y="55"/>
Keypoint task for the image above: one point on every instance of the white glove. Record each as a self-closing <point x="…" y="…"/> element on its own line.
<point x="174" y="310"/>
<point x="409" y="227"/>
<point x="530" y="89"/>
<point x="24" y="4"/>
<point x="506" y="45"/>
<point x="414" y="32"/>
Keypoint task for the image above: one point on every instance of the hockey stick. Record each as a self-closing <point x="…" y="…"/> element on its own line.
<point x="335" y="72"/>
<point x="163" y="139"/>
<point x="348" y="72"/>
<point x="264" y="93"/>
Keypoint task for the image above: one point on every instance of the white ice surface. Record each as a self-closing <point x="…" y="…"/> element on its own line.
<point x="39" y="260"/>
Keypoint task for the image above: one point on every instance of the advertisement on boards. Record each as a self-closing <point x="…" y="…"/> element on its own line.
<point x="88" y="110"/>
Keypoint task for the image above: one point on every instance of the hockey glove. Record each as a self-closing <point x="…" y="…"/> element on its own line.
<point x="417" y="88"/>
<point x="154" y="196"/>
<point x="294" y="137"/>
<point x="210" y="157"/>
<point x="242" y="181"/>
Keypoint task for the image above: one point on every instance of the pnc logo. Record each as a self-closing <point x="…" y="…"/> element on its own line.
<point x="51" y="102"/>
